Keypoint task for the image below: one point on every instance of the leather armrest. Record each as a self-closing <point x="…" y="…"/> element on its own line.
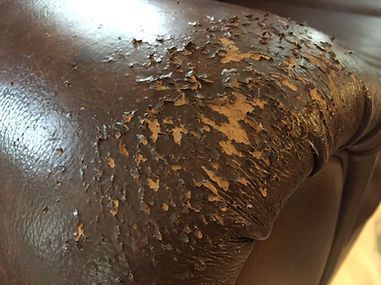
<point x="143" y="158"/>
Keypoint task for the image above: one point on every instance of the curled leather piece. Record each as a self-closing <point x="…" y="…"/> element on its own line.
<point x="164" y="155"/>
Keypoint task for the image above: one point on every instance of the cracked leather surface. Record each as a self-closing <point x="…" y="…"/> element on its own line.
<point x="160" y="155"/>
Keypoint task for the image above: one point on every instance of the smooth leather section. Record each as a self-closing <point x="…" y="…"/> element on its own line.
<point x="372" y="195"/>
<point x="356" y="188"/>
<point x="302" y="235"/>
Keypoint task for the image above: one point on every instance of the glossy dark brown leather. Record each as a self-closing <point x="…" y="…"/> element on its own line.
<point x="355" y="24"/>
<point x="302" y="234"/>
<point x="158" y="145"/>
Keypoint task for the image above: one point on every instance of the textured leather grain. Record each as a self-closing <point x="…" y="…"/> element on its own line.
<point x="156" y="142"/>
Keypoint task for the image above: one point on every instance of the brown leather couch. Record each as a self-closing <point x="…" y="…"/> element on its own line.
<point x="356" y="25"/>
<point x="185" y="142"/>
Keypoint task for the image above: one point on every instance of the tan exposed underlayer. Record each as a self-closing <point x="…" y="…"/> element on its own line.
<point x="177" y="133"/>
<point x="153" y="184"/>
<point x="316" y="96"/>
<point x="285" y="82"/>
<point x="290" y="85"/>
<point x="223" y="183"/>
<point x="234" y="112"/>
<point x="115" y="207"/>
<point x="229" y="148"/>
<point x="140" y="159"/>
<point x="111" y="162"/>
<point x="259" y="155"/>
<point x="208" y="185"/>
<point x="80" y="232"/>
<point x="123" y="150"/>
<point x="165" y="207"/>
<point x="155" y="129"/>
<point x="182" y="100"/>
<point x="176" y="167"/>
<point x="260" y="103"/>
<point x="263" y="191"/>
<point x="214" y="198"/>
<point x="243" y="181"/>
<point x="233" y="53"/>
<point x="168" y="120"/>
